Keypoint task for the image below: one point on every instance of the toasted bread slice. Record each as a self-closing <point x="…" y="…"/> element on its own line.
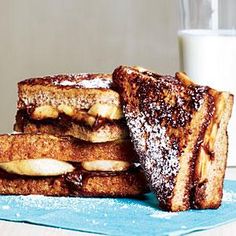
<point x="212" y="158"/>
<point x="168" y="119"/>
<point x="93" y="184"/>
<point x="65" y="148"/>
<point x="88" y="103"/>
<point x="105" y="132"/>
<point x="85" y="169"/>
<point x="79" y="91"/>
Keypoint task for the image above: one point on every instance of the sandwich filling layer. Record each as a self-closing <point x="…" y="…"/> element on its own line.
<point x="108" y="111"/>
<point x="77" y="183"/>
<point x="89" y="117"/>
<point x="52" y="167"/>
<point x="206" y="153"/>
<point x="102" y="130"/>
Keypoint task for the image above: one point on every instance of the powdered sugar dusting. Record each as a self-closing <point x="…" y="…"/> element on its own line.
<point x="5" y="207"/>
<point x="83" y="80"/>
<point x="61" y="203"/>
<point x="164" y="215"/>
<point x="158" y="110"/>
<point x="65" y="83"/>
<point x="86" y="205"/>
<point x="95" y="83"/>
<point x="229" y="196"/>
<point x="158" y="156"/>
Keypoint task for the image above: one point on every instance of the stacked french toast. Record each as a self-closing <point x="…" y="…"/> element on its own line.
<point x="119" y="135"/>
<point x="75" y="121"/>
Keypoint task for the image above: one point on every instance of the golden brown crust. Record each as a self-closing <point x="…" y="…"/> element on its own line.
<point x="122" y="184"/>
<point x="181" y="193"/>
<point x="109" y="131"/>
<point x="167" y="118"/>
<point x="160" y="112"/>
<point x="71" y="80"/>
<point x="78" y="91"/>
<point x="211" y="162"/>
<point x="33" y="146"/>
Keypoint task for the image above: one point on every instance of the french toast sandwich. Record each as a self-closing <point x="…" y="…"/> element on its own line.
<point x="81" y="105"/>
<point x="65" y="166"/>
<point x="76" y="119"/>
<point x="179" y="130"/>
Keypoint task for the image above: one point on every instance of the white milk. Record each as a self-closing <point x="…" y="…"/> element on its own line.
<point x="209" y="58"/>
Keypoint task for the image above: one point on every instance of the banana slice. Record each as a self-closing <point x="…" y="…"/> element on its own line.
<point x="108" y="111"/>
<point x="203" y="165"/>
<point x="44" y="112"/>
<point x="68" y="110"/>
<point x="85" y="117"/>
<point x="105" y="165"/>
<point x="37" y="167"/>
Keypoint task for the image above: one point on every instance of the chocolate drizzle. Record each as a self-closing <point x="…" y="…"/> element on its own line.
<point x="172" y="104"/>
<point x="75" y="180"/>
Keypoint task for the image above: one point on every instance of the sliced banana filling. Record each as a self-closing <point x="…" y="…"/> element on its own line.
<point x="51" y="167"/>
<point x="107" y="111"/>
<point x="209" y="139"/>
<point x="105" y="165"/>
<point x="37" y="167"/>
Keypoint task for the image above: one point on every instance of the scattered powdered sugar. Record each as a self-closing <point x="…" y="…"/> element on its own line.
<point x="164" y="215"/>
<point x="6" y="207"/>
<point x="95" y="83"/>
<point x="82" y="81"/>
<point x="229" y="196"/>
<point x="158" y="157"/>
<point x="60" y="203"/>
<point x="87" y="206"/>
<point x="66" y="83"/>
<point x="77" y="204"/>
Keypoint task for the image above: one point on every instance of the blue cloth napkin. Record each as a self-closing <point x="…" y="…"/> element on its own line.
<point x="116" y="216"/>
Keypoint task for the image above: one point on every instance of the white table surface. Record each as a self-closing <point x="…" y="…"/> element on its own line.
<point x="11" y="229"/>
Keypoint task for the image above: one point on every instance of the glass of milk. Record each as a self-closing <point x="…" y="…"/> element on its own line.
<point x="207" y="49"/>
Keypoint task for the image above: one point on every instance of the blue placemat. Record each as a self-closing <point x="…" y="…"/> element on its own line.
<point x="116" y="216"/>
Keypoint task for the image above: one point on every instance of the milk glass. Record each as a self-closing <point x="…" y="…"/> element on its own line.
<point x="207" y="49"/>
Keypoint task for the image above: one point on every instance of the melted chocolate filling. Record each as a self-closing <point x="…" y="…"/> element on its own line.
<point x="63" y="121"/>
<point x="73" y="180"/>
<point x="76" y="178"/>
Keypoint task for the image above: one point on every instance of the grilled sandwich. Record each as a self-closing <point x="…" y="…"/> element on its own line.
<point x="179" y="130"/>
<point x="65" y="166"/>
<point x="82" y="105"/>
